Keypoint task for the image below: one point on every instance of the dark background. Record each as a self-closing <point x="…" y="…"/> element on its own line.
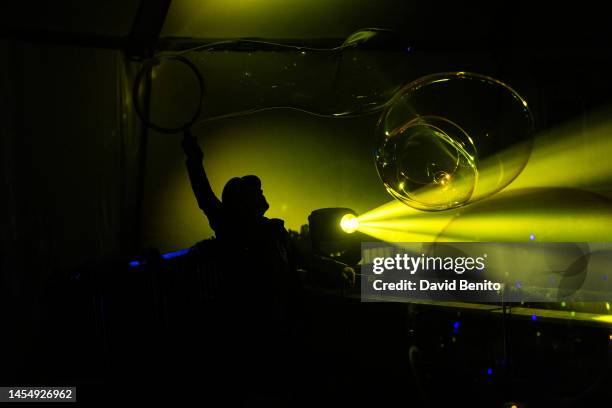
<point x="85" y="187"/>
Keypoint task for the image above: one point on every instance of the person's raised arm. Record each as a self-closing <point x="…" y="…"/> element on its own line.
<point x="207" y="200"/>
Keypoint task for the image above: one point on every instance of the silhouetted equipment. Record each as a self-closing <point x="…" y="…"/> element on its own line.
<point x="329" y="240"/>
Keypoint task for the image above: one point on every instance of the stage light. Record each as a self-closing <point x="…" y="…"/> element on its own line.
<point x="349" y="223"/>
<point x="332" y="234"/>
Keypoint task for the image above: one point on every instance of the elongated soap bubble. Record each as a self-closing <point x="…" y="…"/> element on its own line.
<point x="356" y="77"/>
<point x="452" y="138"/>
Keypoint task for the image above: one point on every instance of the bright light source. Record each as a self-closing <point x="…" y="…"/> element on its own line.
<point x="603" y="318"/>
<point x="349" y="223"/>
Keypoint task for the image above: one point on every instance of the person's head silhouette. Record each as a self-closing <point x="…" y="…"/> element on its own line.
<point x="244" y="196"/>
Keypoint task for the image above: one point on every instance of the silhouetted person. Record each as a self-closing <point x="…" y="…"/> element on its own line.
<point x="259" y="246"/>
<point x="238" y="221"/>
<point x="263" y="290"/>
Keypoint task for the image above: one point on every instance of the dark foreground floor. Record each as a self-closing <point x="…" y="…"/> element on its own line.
<point x="161" y="338"/>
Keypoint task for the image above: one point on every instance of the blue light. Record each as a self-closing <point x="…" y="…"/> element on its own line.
<point x="532" y="237"/>
<point x="170" y="255"/>
<point x="167" y="255"/>
<point x="534" y="317"/>
<point x="456" y="327"/>
<point x="489" y="371"/>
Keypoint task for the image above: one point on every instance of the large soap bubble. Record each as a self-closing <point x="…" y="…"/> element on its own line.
<point x="452" y="138"/>
<point x="357" y="77"/>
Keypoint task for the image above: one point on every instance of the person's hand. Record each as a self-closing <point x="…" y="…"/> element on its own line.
<point x="348" y="274"/>
<point x="191" y="147"/>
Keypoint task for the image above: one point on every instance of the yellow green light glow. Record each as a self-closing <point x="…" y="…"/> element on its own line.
<point x="322" y="165"/>
<point x="603" y="318"/>
<point x="549" y="199"/>
<point x="588" y="311"/>
<point x="349" y="223"/>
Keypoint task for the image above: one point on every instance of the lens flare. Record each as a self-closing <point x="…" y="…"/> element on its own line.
<point x="349" y="223"/>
